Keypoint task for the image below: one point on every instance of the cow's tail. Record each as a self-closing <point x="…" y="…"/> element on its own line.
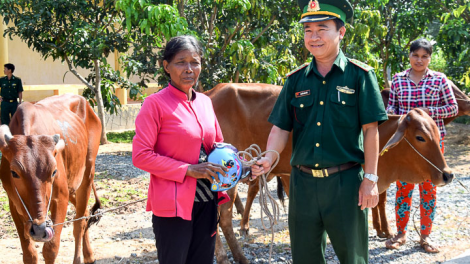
<point x="94" y="210"/>
<point x="280" y="190"/>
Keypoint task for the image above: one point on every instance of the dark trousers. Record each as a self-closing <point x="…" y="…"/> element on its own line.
<point x="321" y="206"/>
<point x="8" y="109"/>
<point x="180" y="241"/>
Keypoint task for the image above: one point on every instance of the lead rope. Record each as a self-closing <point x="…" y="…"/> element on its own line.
<point x="24" y="206"/>
<point x="49" y="222"/>
<point x="422" y="156"/>
<point x="455" y="175"/>
<point x="48" y="219"/>
<point x="416" y="209"/>
<point x="254" y="154"/>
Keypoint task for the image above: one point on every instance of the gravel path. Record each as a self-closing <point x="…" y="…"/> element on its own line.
<point x="451" y="229"/>
<point x="128" y="237"/>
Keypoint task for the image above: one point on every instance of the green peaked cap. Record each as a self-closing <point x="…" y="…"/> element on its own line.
<point x="321" y="10"/>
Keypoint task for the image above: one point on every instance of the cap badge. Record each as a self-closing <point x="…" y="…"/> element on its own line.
<point x="313" y="6"/>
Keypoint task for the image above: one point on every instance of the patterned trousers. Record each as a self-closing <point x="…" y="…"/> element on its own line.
<point x="427" y="192"/>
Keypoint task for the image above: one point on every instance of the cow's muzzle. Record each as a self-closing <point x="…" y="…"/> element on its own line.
<point x="447" y="177"/>
<point x="41" y="233"/>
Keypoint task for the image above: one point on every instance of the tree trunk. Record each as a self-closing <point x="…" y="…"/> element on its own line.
<point x="237" y="76"/>
<point x="99" y="103"/>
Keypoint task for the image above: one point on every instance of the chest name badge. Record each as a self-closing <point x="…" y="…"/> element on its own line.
<point x="345" y="89"/>
<point x="302" y="93"/>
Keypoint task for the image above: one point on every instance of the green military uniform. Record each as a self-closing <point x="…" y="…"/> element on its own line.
<point x="9" y="92"/>
<point x="326" y="115"/>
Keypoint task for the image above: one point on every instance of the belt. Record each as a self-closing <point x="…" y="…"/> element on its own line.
<point x="9" y="100"/>
<point x="321" y="173"/>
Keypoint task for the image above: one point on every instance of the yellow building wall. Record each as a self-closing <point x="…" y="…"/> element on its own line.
<point x="43" y="78"/>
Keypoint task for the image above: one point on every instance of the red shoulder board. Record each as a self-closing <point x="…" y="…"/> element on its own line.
<point x="297" y="69"/>
<point x="361" y="65"/>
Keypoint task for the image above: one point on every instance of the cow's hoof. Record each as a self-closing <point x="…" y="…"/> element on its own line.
<point x="384" y="235"/>
<point x="94" y="262"/>
<point x="244" y="233"/>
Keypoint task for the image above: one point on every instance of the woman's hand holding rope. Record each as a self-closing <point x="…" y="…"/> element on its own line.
<point x="206" y="170"/>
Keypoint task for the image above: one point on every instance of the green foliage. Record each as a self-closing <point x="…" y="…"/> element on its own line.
<point x="453" y="39"/>
<point x="121" y="137"/>
<point x="81" y="33"/>
<point x="243" y="40"/>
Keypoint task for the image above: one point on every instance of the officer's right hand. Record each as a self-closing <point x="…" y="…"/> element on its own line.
<point x="262" y="166"/>
<point x="206" y="170"/>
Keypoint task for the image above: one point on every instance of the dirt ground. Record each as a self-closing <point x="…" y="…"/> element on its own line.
<point x="126" y="236"/>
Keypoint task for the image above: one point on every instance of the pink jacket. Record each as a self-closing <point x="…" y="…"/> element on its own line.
<point x="169" y="132"/>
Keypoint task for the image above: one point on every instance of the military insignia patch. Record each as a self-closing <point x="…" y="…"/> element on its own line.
<point x="345" y="89"/>
<point x="302" y="93"/>
<point x="313" y="6"/>
<point x="361" y="65"/>
<point x="297" y="69"/>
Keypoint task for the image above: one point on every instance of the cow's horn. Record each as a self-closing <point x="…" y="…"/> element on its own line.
<point x="7" y="133"/>
<point x="56" y="138"/>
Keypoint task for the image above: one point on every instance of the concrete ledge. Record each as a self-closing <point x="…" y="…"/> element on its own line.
<point x="123" y="120"/>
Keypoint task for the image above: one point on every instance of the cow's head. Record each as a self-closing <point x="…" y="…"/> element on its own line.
<point x="421" y="136"/>
<point x="33" y="169"/>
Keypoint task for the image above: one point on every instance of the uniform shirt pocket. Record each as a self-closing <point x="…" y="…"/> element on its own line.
<point x="343" y="109"/>
<point x="302" y="108"/>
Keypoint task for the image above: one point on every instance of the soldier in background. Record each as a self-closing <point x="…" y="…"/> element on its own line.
<point x="11" y="91"/>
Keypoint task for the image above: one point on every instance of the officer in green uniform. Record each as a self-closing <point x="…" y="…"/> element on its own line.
<point x="11" y="90"/>
<point x="333" y="106"/>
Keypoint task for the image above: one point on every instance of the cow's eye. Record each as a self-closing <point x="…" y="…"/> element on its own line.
<point x="420" y="138"/>
<point x="54" y="173"/>
<point x="15" y="175"/>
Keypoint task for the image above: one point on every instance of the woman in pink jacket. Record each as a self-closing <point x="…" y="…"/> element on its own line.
<point x="175" y="130"/>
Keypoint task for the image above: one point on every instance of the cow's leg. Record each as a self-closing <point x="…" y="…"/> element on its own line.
<point x="227" y="227"/>
<point x="220" y="253"/>
<point x="50" y="250"/>
<point x="239" y="206"/>
<point x="88" y="255"/>
<point x="253" y="190"/>
<point x="285" y="179"/>
<point x="376" y="220"/>
<point x="27" y="245"/>
<point x="385" y="228"/>
<point x="80" y="200"/>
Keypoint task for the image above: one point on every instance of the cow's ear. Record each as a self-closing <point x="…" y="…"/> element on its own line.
<point x="5" y="137"/>
<point x="59" y="144"/>
<point x="398" y="136"/>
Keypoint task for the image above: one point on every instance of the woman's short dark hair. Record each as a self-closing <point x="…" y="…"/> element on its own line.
<point x="10" y="67"/>
<point x="181" y="43"/>
<point x="421" y="43"/>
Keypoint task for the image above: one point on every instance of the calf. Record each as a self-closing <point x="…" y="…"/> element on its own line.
<point x="49" y="159"/>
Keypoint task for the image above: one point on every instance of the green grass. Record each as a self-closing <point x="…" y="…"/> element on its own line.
<point x="462" y="120"/>
<point x="121" y="137"/>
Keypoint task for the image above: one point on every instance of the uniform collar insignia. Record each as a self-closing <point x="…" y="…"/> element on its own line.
<point x="345" y="89"/>
<point x="313" y="6"/>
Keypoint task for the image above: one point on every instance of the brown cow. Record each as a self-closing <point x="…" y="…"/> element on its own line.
<point x="243" y="110"/>
<point x="231" y="103"/>
<point x="463" y="102"/>
<point x="52" y="151"/>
